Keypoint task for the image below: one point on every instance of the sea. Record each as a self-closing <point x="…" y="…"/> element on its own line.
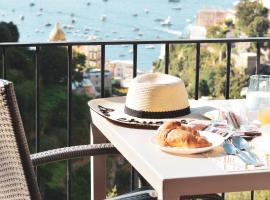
<point x="103" y="20"/>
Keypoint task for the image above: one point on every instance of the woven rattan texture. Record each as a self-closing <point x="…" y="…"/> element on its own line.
<point x="12" y="178"/>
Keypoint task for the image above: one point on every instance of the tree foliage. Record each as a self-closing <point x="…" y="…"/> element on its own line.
<point x="252" y="18"/>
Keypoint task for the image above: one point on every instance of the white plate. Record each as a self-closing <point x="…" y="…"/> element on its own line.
<point x="215" y="139"/>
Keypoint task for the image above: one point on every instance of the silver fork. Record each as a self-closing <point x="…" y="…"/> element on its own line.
<point x="230" y="149"/>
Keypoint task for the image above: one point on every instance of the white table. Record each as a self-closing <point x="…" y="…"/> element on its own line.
<point x="170" y="175"/>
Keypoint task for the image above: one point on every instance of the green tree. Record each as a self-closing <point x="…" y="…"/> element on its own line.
<point x="8" y="32"/>
<point x="252" y="18"/>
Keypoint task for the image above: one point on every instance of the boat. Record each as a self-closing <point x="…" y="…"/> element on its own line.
<point x="174" y="1"/>
<point x="32" y="4"/>
<point x="88" y="3"/>
<point x="159" y="20"/>
<point x="41" y="9"/>
<point x="73" y="21"/>
<point x="22" y="17"/>
<point x="167" y="22"/>
<point x="48" y="24"/>
<point x="149" y="46"/>
<point x="177" y="8"/>
<point x="39" y="14"/>
<point x="121" y="55"/>
<point x="135" y="15"/>
<point x="103" y="18"/>
<point x="135" y="29"/>
<point x="146" y="10"/>
<point x="188" y="20"/>
<point x="140" y="34"/>
<point x="130" y="51"/>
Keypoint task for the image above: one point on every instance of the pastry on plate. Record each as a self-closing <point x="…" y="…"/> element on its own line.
<point x="174" y="134"/>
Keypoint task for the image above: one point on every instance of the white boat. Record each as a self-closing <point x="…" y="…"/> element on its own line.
<point x="167" y="22"/>
<point x="174" y="1"/>
<point x="130" y="51"/>
<point x="177" y="8"/>
<point x="122" y="55"/>
<point x="135" y="29"/>
<point x="146" y="10"/>
<point x="39" y="14"/>
<point x="188" y="20"/>
<point x="103" y="18"/>
<point x="149" y="46"/>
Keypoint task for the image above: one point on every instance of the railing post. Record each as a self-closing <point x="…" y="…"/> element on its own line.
<point x="197" y="74"/>
<point x="167" y="58"/>
<point x="37" y="115"/>
<point x="134" y="60"/>
<point x="102" y="71"/>
<point x="69" y="103"/>
<point x="228" y="70"/>
<point x="258" y="57"/>
<point x="4" y="63"/>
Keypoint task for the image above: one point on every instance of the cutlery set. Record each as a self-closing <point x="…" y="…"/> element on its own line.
<point x="239" y="147"/>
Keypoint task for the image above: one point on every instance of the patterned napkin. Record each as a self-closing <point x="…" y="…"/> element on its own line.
<point x="233" y="163"/>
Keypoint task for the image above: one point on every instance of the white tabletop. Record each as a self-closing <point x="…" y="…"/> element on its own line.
<point x="175" y="175"/>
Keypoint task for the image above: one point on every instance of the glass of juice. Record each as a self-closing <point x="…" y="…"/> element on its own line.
<point x="264" y="115"/>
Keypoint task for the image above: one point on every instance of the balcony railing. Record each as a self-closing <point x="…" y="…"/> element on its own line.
<point x="103" y="44"/>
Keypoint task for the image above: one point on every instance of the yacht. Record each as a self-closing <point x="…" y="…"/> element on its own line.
<point x="39" y="14"/>
<point x="167" y="22"/>
<point x="22" y="17"/>
<point x="32" y="4"/>
<point x="149" y="46"/>
<point x="140" y="34"/>
<point x="135" y="29"/>
<point x="188" y="20"/>
<point x="135" y="15"/>
<point x="159" y="20"/>
<point x="146" y="10"/>
<point x="177" y="8"/>
<point x="88" y="3"/>
<point x="174" y="1"/>
<point x="73" y="21"/>
<point x="122" y="55"/>
<point x="48" y="24"/>
<point x="103" y="18"/>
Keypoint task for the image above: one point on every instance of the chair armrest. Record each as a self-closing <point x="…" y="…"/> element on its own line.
<point x="137" y="195"/>
<point x="67" y="153"/>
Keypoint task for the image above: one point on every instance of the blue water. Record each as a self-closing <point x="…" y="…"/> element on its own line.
<point x="119" y="23"/>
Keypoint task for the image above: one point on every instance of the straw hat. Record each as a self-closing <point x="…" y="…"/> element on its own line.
<point x="151" y="99"/>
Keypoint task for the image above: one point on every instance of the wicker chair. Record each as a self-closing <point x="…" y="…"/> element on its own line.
<point x="17" y="177"/>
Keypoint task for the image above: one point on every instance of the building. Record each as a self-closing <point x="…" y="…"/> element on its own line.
<point x="85" y="87"/>
<point x="245" y="61"/>
<point x="120" y="69"/>
<point x="92" y="53"/>
<point x="57" y="34"/>
<point x="210" y="17"/>
<point x="196" y="32"/>
<point x="94" y="75"/>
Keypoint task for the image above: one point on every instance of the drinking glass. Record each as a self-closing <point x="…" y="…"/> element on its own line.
<point x="258" y="97"/>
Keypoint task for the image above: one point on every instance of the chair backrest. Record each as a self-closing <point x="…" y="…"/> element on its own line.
<point x="17" y="177"/>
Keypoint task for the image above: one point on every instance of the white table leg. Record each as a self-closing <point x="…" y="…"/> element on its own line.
<point x="98" y="167"/>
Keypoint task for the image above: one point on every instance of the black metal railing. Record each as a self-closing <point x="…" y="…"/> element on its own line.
<point x="135" y="44"/>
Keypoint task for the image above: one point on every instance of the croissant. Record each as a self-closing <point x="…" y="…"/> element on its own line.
<point x="174" y="134"/>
